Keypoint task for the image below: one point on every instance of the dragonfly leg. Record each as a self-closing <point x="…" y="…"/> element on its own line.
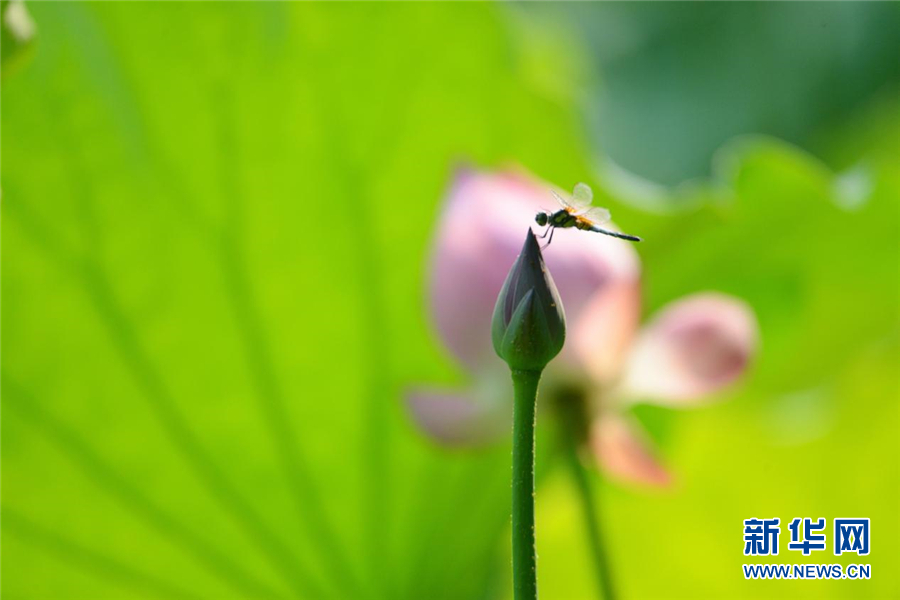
<point x="552" y="230"/>
<point x="546" y="231"/>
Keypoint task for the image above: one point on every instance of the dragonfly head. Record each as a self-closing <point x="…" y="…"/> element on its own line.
<point x="542" y="218"/>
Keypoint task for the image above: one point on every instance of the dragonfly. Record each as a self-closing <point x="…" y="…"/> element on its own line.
<point x="577" y="212"/>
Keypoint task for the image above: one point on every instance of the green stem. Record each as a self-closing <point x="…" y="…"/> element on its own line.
<point x="591" y="521"/>
<point x="525" y="384"/>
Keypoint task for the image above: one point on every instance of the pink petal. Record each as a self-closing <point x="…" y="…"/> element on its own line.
<point x="479" y="235"/>
<point x="694" y="347"/>
<point x="458" y="418"/>
<point x="622" y="451"/>
<point x="606" y="329"/>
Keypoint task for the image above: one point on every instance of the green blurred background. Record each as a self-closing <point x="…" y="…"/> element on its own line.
<point x="216" y="224"/>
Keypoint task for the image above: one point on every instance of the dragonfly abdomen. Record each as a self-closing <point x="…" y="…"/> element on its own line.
<point x="616" y="234"/>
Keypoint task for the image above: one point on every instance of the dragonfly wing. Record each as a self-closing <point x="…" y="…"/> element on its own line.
<point x="596" y="215"/>
<point x="571" y="204"/>
<point x="582" y="195"/>
<point x="564" y="202"/>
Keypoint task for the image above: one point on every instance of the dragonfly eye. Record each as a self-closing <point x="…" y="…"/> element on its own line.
<point x="541" y="219"/>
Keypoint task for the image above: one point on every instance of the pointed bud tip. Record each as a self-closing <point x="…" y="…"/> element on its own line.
<point x="531" y="248"/>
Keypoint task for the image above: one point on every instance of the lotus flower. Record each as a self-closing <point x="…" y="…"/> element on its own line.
<point x="691" y="349"/>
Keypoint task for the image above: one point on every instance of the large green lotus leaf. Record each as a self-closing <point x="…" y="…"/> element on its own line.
<point x="216" y="223"/>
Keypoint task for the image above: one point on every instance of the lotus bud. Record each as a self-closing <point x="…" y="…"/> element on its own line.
<point x="529" y="325"/>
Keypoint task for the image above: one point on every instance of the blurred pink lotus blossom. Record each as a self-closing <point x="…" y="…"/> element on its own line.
<point x="692" y="348"/>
